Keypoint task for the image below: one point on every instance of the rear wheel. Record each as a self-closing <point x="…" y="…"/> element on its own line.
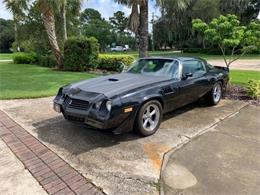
<point x="149" y="118"/>
<point x="214" y="96"/>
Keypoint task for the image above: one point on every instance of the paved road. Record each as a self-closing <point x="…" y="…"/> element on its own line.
<point x="120" y="164"/>
<point x="241" y="64"/>
<point x="224" y="160"/>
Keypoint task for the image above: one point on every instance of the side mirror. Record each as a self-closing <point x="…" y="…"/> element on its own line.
<point x="187" y="75"/>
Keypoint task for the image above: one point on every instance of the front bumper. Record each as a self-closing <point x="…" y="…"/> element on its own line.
<point x="116" y="120"/>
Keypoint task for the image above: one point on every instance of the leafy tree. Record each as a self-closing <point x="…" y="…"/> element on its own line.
<point x="245" y="10"/>
<point x="47" y="8"/>
<point x="17" y="7"/>
<point x="228" y="34"/>
<point x="138" y="22"/>
<point x="93" y="25"/>
<point x="119" y="22"/>
<point x="175" y="21"/>
<point x="6" y="35"/>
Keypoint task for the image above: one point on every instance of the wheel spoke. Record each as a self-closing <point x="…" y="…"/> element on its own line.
<point x="145" y="123"/>
<point x="153" y="113"/>
<point x="151" y="122"/>
<point x="151" y="117"/>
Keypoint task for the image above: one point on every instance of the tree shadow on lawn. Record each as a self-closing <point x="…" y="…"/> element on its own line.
<point x="77" y="138"/>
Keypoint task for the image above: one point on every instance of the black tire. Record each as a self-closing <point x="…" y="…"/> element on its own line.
<point x="211" y="98"/>
<point x="139" y="126"/>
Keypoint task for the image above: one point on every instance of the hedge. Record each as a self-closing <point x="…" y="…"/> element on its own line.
<point x="114" y="62"/>
<point x="25" y="58"/>
<point x="80" y="52"/>
<point x="47" y="61"/>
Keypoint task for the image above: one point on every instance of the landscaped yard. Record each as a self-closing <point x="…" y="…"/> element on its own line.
<point x="174" y="53"/>
<point x="158" y="53"/>
<point x="241" y="77"/>
<point x="6" y="56"/>
<point x="31" y="81"/>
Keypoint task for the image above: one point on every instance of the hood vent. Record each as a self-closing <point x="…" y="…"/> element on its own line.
<point x="112" y="79"/>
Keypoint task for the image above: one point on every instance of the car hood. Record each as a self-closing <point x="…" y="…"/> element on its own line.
<point x="116" y="84"/>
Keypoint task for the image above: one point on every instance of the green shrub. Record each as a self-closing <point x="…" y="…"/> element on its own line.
<point x="114" y="62"/>
<point x="253" y="89"/>
<point x="25" y="58"/>
<point x="47" y="61"/>
<point x="80" y="52"/>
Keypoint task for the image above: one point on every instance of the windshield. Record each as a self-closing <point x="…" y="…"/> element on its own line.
<point x="156" y="67"/>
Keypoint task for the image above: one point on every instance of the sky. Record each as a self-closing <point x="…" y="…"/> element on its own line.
<point x="105" y="7"/>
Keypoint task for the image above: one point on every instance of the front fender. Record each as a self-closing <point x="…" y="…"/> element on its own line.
<point x="158" y="97"/>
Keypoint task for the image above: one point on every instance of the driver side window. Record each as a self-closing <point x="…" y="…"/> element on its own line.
<point x="194" y="67"/>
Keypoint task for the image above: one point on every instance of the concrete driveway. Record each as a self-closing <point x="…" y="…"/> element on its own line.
<point x="241" y="64"/>
<point x="120" y="164"/>
<point x="224" y="160"/>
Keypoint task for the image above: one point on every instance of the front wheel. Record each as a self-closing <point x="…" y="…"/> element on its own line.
<point x="149" y="118"/>
<point x="214" y="96"/>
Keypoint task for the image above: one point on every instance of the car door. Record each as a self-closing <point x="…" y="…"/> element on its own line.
<point x="193" y="86"/>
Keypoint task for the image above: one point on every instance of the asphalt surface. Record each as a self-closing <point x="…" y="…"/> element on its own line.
<point x="224" y="160"/>
<point x="119" y="164"/>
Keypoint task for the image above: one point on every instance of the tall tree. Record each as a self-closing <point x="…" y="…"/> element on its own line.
<point x="17" y="8"/>
<point x="47" y="8"/>
<point x="94" y="25"/>
<point x="67" y="8"/>
<point x="138" y="22"/>
<point x="6" y="35"/>
<point x="119" y="21"/>
<point x="245" y="10"/>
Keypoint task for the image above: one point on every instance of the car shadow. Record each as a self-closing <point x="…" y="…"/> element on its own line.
<point x="78" y="139"/>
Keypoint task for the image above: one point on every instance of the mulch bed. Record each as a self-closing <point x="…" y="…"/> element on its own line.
<point x="235" y="92"/>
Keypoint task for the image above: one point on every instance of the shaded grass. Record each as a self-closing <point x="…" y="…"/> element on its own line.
<point x="31" y="81"/>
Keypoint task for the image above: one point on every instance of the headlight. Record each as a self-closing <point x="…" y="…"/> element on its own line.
<point x="108" y="105"/>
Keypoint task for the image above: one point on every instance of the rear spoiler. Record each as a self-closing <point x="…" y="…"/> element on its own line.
<point x="222" y="68"/>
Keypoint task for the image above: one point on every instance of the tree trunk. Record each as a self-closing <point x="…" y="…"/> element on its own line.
<point x="16" y="35"/>
<point x="64" y="20"/>
<point x="49" y="24"/>
<point x="143" y="29"/>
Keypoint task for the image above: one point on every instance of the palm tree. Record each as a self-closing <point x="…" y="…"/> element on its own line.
<point x="16" y="7"/>
<point x="63" y="5"/>
<point x="138" y="20"/>
<point x="65" y="8"/>
<point x="47" y="8"/>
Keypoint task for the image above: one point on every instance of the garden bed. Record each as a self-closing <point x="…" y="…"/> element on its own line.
<point x="235" y="92"/>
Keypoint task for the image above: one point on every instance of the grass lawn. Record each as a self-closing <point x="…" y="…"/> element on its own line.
<point x="172" y="53"/>
<point x="6" y="56"/>
<point x="241" y="77"/>
<point x="31" y="81"/>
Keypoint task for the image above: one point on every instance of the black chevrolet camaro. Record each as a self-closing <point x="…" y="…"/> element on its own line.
<point x="138" y="98"/>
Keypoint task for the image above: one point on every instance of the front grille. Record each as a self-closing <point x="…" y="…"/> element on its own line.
<point x="75" y="103"/>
